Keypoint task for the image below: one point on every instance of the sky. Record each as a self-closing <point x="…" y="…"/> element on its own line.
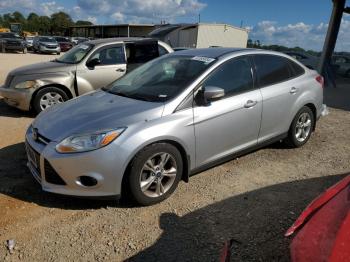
<point x="291" y="23"/>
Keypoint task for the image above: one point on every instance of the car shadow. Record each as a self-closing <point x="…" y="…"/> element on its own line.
<point x="255" y="222"/>
<point x="8" y="111"/>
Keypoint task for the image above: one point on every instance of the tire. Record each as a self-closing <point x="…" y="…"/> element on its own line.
<point x="3" y="49"/>
<point x="25" y="50"/>
<point x="296" y="136"/>
<point x="49" y="95"/>
<point x="58" y="53"/>
<point x="154" y="193"/>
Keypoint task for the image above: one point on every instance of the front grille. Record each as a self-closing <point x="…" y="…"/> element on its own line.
<point x="51" y="175"/>
<point x="13" y="43"/>
<point x="43" y="140"/>
<point x="9" y="80"/>
<point x="51" y="47"/>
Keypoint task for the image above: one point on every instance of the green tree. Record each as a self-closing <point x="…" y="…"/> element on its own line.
<point x="33" y="24"/>
<point x="60" y="22"/>
<point x="1" y="21"/>
<point x="44" y="25"/>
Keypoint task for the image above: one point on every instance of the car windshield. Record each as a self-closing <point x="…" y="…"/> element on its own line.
<point x="61" y="39"/>
<point x="161" y="79"/>
<point x="47" y="39"/>
<point x="11" y="36"/>
<point x="76" y="54"/>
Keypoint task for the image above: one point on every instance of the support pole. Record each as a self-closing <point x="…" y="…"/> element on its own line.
<point x="332" y="34"/>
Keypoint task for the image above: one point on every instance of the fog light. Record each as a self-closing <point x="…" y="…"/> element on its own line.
<point x="88" y="181"/>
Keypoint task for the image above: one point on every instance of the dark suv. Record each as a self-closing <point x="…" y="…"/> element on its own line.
<point x="11" y="41"/>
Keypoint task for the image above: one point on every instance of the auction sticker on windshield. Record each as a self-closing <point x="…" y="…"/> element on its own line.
<point x="204" y="59"/>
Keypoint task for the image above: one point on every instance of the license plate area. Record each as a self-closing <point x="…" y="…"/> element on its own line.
<point x="33" y="157"/>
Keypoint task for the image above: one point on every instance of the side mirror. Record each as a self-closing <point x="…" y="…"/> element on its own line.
<point x="93" y="62"/>
<point x="208" y="94"/>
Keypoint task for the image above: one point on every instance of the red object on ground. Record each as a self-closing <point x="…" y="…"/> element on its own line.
<point x="324" y="227"/>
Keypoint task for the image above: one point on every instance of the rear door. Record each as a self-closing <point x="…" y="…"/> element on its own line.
<point x="112" y="66"/>
<point x="280" y="88"/>
<point x="140" y="52"/>
<point x="232" y="123"/>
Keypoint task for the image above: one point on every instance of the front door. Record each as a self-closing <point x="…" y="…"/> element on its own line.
<point x="112" y="65"/>
<point x="232" y="123"/>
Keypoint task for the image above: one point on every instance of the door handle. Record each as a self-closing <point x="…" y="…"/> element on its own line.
<point x="250" y="103"/>
<point x="293" y="90"/>
<point x="120" y="70"/>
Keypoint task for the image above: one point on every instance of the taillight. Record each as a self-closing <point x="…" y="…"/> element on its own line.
<point x="320" y="80"/>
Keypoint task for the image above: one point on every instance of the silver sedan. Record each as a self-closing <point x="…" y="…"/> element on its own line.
<point x="170" y="118"/>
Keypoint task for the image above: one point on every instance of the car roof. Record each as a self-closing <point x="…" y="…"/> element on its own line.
<point x="119" y="39"/>
<point x="212" y="52"/>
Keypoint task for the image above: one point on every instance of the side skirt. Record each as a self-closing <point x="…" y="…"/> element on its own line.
<point x="237" y="154"/>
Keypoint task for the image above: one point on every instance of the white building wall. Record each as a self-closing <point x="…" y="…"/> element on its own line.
<point x="221" y="35"/>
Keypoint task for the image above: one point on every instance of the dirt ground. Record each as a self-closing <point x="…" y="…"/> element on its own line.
<point x="253" y="200"/>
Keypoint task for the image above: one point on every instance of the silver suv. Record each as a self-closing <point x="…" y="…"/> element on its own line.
<point x="170" y="118"/>
<point x="86" y="67"/>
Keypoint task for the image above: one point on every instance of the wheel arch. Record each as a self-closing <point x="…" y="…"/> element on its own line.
<point x="62" y="87"/>
<point x="185" y="159"/>
<point x="314" y="112"/>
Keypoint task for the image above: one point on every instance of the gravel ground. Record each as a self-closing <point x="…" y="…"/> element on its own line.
<point x="252" y="200"/>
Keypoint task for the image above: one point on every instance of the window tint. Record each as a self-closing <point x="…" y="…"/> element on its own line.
<point x="271" y="69"/>
<point x="233" y="76"/>
<point x="297" y="70"/>
<point x="141" y="53"/>
<point x="110" y="56"/>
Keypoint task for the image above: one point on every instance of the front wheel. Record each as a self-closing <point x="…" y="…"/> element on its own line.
<point x="47" y="97"/>
<point x="301" y="128"/>
<point x="155" y="173"/>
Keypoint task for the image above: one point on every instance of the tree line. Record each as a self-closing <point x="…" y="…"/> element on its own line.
<point x="56" y="24"/>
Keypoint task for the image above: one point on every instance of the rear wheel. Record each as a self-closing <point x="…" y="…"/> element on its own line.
<point x="155" y="173"/>
<point x="25" y="50"/>
<point x="301" y="128"/>
<point x="47" y="97"/>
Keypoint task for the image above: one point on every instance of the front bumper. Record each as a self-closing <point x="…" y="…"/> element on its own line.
<point x="14" y="47"/>
<point x="103" y="165"/>
<point x="49" y="50"/>
<point x="19" y="98"/>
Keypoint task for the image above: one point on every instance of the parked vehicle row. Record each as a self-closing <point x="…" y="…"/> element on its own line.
<point x="339" y="63"/>
<point x="141" y="134"/>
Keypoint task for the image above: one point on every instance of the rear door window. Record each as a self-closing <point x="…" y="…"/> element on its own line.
<point x="272" y="69"/>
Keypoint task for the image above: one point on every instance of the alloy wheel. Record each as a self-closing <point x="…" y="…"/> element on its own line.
<point x="303" y="127"/>
<point x="158" y="174"/>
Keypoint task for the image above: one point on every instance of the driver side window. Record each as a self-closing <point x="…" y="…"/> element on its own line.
<point x="234" y="76"/>
<point x="110" y="55"/>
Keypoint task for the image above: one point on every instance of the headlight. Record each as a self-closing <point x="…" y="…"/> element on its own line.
<point x="88" y="142"/>
<point x="28" y="84"/>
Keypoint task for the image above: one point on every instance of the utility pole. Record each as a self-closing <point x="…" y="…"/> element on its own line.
<point x="332" y="34"/>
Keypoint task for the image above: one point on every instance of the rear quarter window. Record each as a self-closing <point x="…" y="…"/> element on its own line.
<point x="272" y="69"/>
<point x="297" y="70"/>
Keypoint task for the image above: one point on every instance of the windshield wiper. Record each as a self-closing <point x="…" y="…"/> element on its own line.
<point x="132" y="96"/>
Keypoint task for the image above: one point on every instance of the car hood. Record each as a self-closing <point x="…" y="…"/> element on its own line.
<point x="41" y="68"/>
<point x="93" y="112"/>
